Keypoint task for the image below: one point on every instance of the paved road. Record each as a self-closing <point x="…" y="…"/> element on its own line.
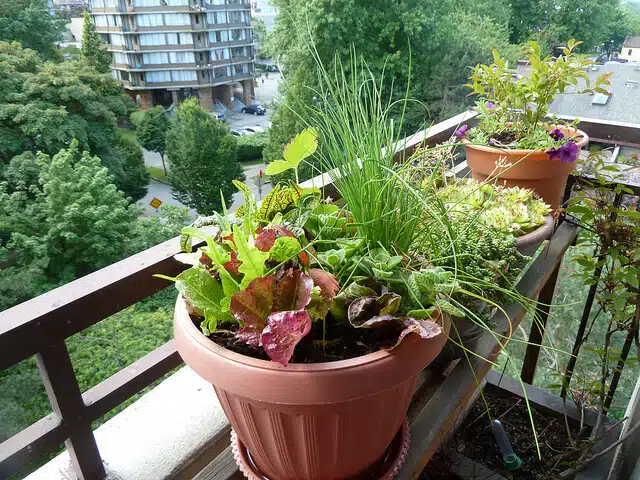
<point x="266" y="92"/>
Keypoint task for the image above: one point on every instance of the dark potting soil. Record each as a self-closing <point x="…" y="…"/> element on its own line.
<point x="475" y="440"/>
<point x="339" y="342"/>
<point x="503" y="139"/>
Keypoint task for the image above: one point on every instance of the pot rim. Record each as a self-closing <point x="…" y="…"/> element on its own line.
<point x="522" y="152"/>
<point x="539" y="234"/>
<point x="181" y="316"/>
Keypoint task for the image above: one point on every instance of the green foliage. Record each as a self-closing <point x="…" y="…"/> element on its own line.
<point x="521" y="105"/>
<point x="64" y="218"/>
<point x="152" y="129"/>
<point x="95" y="56"/>
<point x="202" y="154"/>
<point x="302" y="146"/>
<point x="134" y="179"/>
<point x="30" y="23"/>
<point x="45" y="106"/>
<point x="286" y="123"/>
<point x="512" y="210"/>
<point x="555" y="22"/>
<point x="250" y="147"/>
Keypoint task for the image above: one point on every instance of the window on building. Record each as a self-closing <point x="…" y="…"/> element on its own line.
<point x="155" y="58"/>
<point x="199" y="38"/>
<point x="177" y="19"/>
<point x="220" y="72"/>
<point x="150" y="20"/>
<point x="153" y="39"/>
<point x="158" y="77"/>
<point x="181" y="57"/>
<point x="184" y="76"/>
<point x="120" y="58"/>
<point x="124" y="75"/>
<point x="197" y="18"/>
<point x="147" y="3"/>
<point x="178" y="3"/>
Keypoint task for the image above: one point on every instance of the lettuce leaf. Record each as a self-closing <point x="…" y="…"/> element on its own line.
<point x="283" y="332"/>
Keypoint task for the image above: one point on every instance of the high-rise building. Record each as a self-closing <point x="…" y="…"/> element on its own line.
<point x="166" y="50"/>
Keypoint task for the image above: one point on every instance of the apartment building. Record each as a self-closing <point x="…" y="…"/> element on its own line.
<point x="167" y="50"/>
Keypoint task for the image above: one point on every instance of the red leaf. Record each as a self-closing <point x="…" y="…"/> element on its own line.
<point x="283" y="332"/>
<point x="253" y="305"/>
<point x="265" y="240"/>
<point x="326" y="281"/>
<point x="250" y="336"/>
<point x="304" y="258"/>
<point x="425" y="328"/>
<point x="206" y="261"/>
<point x="232" y="265"/>
<point x="293" y="291"/>
<point x="282" y="231"/>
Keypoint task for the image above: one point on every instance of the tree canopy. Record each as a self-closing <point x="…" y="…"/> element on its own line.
<point x="44" y="106"/>
<point x="152" y="131"/>
<point x="91" y="52"/>
<point x="202" y="156"/>
<point x="30" y="23"/>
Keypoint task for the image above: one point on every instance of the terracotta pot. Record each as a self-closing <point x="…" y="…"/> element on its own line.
<point x="530" y="168"/>
<point x="319" y="421"/>
<point x="529" y="243"/>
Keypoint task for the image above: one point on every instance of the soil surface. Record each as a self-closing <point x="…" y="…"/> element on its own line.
<point x="339" y="342"/>
<point x="475" y="440"/>
<point x="503" y="139"/>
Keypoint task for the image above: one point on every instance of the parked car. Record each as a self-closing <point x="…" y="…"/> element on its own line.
<point x="255" y="108"/>
<point x="254" y="129"/>
<point x="239" y="133"/>
<point x="219" y="116"/>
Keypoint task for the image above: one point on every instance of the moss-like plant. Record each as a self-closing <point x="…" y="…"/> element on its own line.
<point x="512" y="210"/>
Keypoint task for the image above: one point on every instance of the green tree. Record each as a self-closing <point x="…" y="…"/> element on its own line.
<point x="152" y="131"/>
<point x="202" y="155"/>
<point x="95" y="56"/>
<point x="30" y="23"/>
<point x="435" y="41"/>
<point x="260" y="37"/>
<point x="285" y="124"/>
<point x="44" y="106"/>
<point x="135" y="178"/>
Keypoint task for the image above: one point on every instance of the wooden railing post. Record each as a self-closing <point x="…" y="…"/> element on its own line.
<point x="538" y="328"/>
<point x="66" y="400"/>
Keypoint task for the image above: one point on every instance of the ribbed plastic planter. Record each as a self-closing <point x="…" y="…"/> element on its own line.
<point x="320" y="421"/>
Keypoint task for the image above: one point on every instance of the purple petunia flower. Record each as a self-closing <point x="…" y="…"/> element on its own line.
<point x="490" y="105"/>
<point x="557" y="134"/>
<point x="462" y="131"/>
<point x="567" y="153"/>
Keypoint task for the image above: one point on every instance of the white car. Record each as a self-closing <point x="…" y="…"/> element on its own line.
<point x="240" y="133"/>
<point x="254" y="129"/>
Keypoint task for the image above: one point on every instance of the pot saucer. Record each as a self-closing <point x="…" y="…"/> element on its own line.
<point x="386" y="470"/>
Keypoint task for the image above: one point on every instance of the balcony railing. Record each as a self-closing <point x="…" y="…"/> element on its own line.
<point x="39" y="327"/>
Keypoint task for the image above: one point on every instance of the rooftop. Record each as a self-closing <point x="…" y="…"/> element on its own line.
<point x="631" y="42"/>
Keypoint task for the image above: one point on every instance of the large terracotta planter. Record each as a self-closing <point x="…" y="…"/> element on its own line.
<point x="320" y="421"/>
<point x="529" y="168"/>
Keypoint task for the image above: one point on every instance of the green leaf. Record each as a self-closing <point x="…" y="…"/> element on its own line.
<point x="278" y="166"/>
<point x="302" y="146"/>
<point x="284" y="248"/>
<point x="200" y="289"/>
<point x="252" y="259"/>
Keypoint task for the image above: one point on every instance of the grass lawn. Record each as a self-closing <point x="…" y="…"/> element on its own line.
<point x="128" y="134"/>
<point x="157" y="173"/>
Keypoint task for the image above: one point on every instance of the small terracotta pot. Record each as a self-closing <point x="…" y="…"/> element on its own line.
<point x="529" y="243"/>
<point x="531" y="169"/>
<point x="319" y="421"/>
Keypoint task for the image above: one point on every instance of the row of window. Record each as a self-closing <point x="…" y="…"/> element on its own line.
<point x="183" y="38"/>
<point x="161" y="3"/>
<point x="168" y="76"/>
<point x="180" y="57"/>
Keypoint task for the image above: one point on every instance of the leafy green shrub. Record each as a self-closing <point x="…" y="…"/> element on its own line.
<point x="136" y="118"/>
<point x="250" y="146"/>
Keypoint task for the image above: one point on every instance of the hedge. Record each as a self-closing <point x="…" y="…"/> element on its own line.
<point x="250" y="146"/>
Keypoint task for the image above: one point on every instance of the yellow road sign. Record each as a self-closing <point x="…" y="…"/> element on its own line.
<point x="156" y="202"/>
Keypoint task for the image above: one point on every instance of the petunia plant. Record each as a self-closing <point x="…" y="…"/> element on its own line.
<point x="513" y="111"/>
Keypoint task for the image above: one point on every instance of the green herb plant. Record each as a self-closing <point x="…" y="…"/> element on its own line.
<point x="513" y="110"/>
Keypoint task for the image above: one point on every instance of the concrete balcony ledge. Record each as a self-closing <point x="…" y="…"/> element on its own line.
<point x="172" y="432"/>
